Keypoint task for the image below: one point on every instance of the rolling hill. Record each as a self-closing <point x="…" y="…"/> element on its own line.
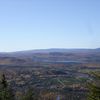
<point x="50" y="55"/>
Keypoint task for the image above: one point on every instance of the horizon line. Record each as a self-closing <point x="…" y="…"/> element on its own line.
<point x="43" y="49"/>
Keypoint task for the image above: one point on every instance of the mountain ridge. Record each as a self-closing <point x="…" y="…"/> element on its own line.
<point x="52" y="50"/>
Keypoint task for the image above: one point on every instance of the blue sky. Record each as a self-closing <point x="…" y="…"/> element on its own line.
<point x="40" y="24"/>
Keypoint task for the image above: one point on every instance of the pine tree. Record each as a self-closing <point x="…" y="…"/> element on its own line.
<point x="6" y="93"/>
<point x="94" y="87"/>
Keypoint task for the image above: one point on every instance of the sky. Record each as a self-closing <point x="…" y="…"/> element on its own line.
<point x="42" y="24"/>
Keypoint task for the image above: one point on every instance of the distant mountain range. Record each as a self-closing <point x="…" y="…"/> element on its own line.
<point x="50" y="55"/>
<point x="53" y="50"/>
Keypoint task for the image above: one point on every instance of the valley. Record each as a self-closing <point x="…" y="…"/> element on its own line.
<point x="61" y="73"/>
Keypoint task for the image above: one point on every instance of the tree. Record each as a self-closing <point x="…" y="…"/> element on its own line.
<point x="94" y="87"/>
<point x="6" y="93"/>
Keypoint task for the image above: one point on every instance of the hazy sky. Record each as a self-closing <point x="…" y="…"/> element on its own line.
<point x="39" y="24"/>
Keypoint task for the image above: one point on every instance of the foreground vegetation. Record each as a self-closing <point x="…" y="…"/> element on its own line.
<point x="32" y="93"/>
<point x="94" y="87"/>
